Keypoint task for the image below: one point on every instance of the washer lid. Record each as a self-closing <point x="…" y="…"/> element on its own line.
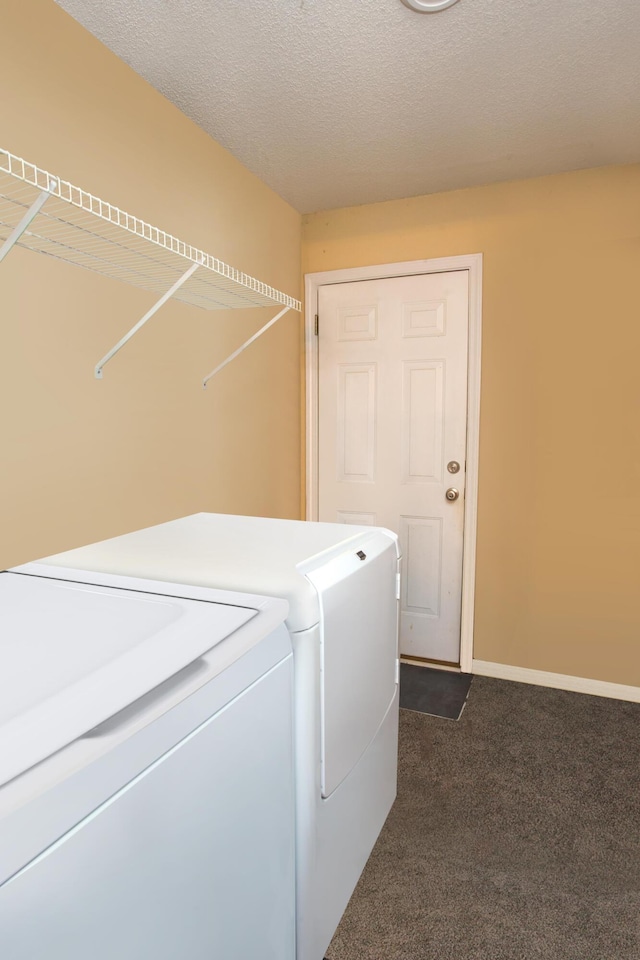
<point x="72" y="655"/>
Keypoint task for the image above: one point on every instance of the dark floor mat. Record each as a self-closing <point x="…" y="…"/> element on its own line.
<point x="439" y="693"/>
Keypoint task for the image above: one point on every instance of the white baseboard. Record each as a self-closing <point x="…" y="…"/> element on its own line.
<point x="559" y="681"/>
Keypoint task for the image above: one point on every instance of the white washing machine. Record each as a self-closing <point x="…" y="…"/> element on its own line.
<point x="146" y="772"/>
<point x="342" y="586"/>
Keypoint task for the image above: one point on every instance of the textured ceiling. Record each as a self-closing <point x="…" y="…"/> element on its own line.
<point x="340" y="102"/>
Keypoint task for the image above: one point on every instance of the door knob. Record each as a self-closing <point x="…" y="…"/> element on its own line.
<point x="453" y="466"/>
<point x="452" y="493"/>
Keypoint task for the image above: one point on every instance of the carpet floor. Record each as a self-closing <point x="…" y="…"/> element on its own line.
<point x="515" y="835"/>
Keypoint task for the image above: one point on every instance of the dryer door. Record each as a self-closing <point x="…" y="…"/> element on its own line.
<point x="359" y="650"/>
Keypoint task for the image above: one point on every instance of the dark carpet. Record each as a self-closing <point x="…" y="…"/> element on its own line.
<point x="440" y="693"/>
<point x="515" y="835"/>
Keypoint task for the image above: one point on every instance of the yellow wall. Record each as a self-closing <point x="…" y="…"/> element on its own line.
<point x="559" y="511"/>
<point x="558" y="572"/>
<point x="82" y="459"/>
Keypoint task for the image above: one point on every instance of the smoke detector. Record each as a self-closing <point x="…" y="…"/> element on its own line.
<point x="428" y="6"/>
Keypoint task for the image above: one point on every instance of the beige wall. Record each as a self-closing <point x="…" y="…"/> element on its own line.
<point x="82" y="459"/>
<point x="559" y="512"/>
<point x="558" y="557"/>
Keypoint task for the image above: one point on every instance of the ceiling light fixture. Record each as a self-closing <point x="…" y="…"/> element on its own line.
<point x="428" y="6"/>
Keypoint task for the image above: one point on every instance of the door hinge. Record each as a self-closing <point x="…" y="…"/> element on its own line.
<point x="315" y="329"/>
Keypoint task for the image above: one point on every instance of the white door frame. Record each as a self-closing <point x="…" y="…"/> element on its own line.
<point x="472" y="263"/>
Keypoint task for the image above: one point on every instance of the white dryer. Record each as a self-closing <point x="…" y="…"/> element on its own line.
<point x="342" y="586"/>
<point x="146" y="772"/>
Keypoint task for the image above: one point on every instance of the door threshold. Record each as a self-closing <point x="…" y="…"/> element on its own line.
<point x="433" y="664"/>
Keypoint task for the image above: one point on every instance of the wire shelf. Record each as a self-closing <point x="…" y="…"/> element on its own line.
<point x="79" y="228"/>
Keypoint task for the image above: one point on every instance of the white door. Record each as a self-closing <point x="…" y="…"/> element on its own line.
<point x="392" y="382"/>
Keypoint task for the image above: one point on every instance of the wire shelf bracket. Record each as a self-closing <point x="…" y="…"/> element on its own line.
<point x="241" y="349"/>
<point x="48" y="215"/>
<point x="29" y="216"/>
<point x="154" y="309"/>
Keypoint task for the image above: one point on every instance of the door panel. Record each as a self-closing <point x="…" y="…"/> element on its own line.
<point x="422" y="420"/>
<point x="356" y="422"/>
<point x="422" y="550"/>
<point x="392" y="414"/>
